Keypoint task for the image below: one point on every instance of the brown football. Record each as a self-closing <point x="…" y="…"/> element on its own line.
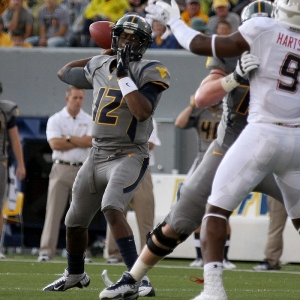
<point x="101" y="33"/>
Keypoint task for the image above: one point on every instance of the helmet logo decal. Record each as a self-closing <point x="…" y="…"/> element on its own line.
<point x="130" y="24"/>
<point x="162" y="72"/>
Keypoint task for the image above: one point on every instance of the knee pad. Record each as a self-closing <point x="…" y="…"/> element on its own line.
<point x="164" y="240"/>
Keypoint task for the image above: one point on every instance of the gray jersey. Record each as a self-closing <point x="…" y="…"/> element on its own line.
<point x="8" y="110"/>
<point x="235" y="104"/>
<point x="119" y="157"/>
<point x="205" y="121"/>
<point x="113" y="123"/>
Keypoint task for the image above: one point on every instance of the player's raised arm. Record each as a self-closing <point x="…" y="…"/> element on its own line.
<point x="192" y="40"/>
<point x="73" y="73"/>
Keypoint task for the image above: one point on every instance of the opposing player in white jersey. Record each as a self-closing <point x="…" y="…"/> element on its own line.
<point x="162" y="239"/>
<point x="270" y="143"/>
<point x="126" y="92"/>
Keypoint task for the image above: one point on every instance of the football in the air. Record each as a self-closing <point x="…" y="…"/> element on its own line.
<point x="101" y="33"/>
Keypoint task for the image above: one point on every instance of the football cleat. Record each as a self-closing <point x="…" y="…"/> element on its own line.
<point x="114" y="260"/>
<point x="228" y="265"/>
<point x="197" y="263"/>
<point x="125" y="288"/>
<point x="2" y="256"/>
<point x="68" y="281"/>
<point x="43" y="257"/>
<point x="105" y="279"/>
<point x="145" y="288"/>
<point x="87" y="260"/>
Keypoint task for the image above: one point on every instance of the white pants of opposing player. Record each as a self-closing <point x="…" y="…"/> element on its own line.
<point x="260" y="149"/>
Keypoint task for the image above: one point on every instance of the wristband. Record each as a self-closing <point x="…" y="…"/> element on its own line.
<point x="182" y="32"/>
<point x="213" y="45"/>
<point x="127" y="85"/>
<point x="229" y="83"/>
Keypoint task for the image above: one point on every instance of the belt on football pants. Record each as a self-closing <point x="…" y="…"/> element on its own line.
<point x="68" y="163"/>
<point x="287" y="125"/>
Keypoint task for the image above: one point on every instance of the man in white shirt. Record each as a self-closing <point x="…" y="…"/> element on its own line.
<point x="69" y="136"/>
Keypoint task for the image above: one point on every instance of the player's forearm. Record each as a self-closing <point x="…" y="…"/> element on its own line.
<point x="210" y="90"/>
<point x="73" y="64"/>
<point x="74" y="76"/>
<point x="198" y="43"/>
<point x="139" y="105"/>
<point x="209" y="94"/>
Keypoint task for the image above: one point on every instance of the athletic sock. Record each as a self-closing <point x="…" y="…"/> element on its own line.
<point x="226" y="248"/>
<point x="139" y="269"/>
<point x="214" y="266"/>
<point x="75" y="263"/>
<point x="128" y="251"/>
<point x="197" y="245"/>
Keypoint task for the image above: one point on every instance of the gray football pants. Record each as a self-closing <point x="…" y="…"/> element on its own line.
<point x="142" y="204"/>
<point x="186" y="215"/>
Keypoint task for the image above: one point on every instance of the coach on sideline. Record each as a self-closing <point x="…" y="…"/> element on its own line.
<point x="69" y="136"/>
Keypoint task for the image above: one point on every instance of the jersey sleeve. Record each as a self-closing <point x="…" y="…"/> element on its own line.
<point x="253" y="28"/>
<point x="226" y="64"/>
<point x="94" y="64"/>
<point x="214" y="63"/>
<point x="156" y="73"/>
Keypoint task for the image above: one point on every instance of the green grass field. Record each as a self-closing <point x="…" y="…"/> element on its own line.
<point x="22" y="277"/>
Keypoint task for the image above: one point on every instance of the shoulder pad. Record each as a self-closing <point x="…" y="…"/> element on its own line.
<point x="9" y="107"/>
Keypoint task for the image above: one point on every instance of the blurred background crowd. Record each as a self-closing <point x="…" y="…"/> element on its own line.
<point x="65" y="23"/>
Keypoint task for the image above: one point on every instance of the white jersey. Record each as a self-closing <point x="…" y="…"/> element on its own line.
<point x="275" y="94"/>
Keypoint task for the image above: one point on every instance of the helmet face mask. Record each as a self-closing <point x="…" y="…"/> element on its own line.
<point x="287" y="13"/>
<point x="132" y="24"/>
<point x="258" y="8"/>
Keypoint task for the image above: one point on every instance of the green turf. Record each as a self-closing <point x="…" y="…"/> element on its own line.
<point x="22" y="277"/>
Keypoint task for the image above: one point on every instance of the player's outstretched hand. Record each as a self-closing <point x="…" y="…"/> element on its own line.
<point x="162" y="11"/>
<point x="246" y="63"/>
<point x="124" y="59"/>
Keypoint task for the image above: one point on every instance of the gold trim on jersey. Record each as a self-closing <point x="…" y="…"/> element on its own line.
<point x="215" y="152"/>
<point x="160" y="83"/>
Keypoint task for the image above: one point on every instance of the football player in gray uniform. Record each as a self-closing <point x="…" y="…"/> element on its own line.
<point x="9" y="131"/>
<point x="126" y="91"/>
<point x="186" y="215"/>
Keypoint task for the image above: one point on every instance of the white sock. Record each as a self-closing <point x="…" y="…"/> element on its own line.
<point x="139" y="269"/>
<point x="213" y="266"/>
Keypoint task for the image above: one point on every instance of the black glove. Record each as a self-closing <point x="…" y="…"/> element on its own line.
<point x="124" y="59"/>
